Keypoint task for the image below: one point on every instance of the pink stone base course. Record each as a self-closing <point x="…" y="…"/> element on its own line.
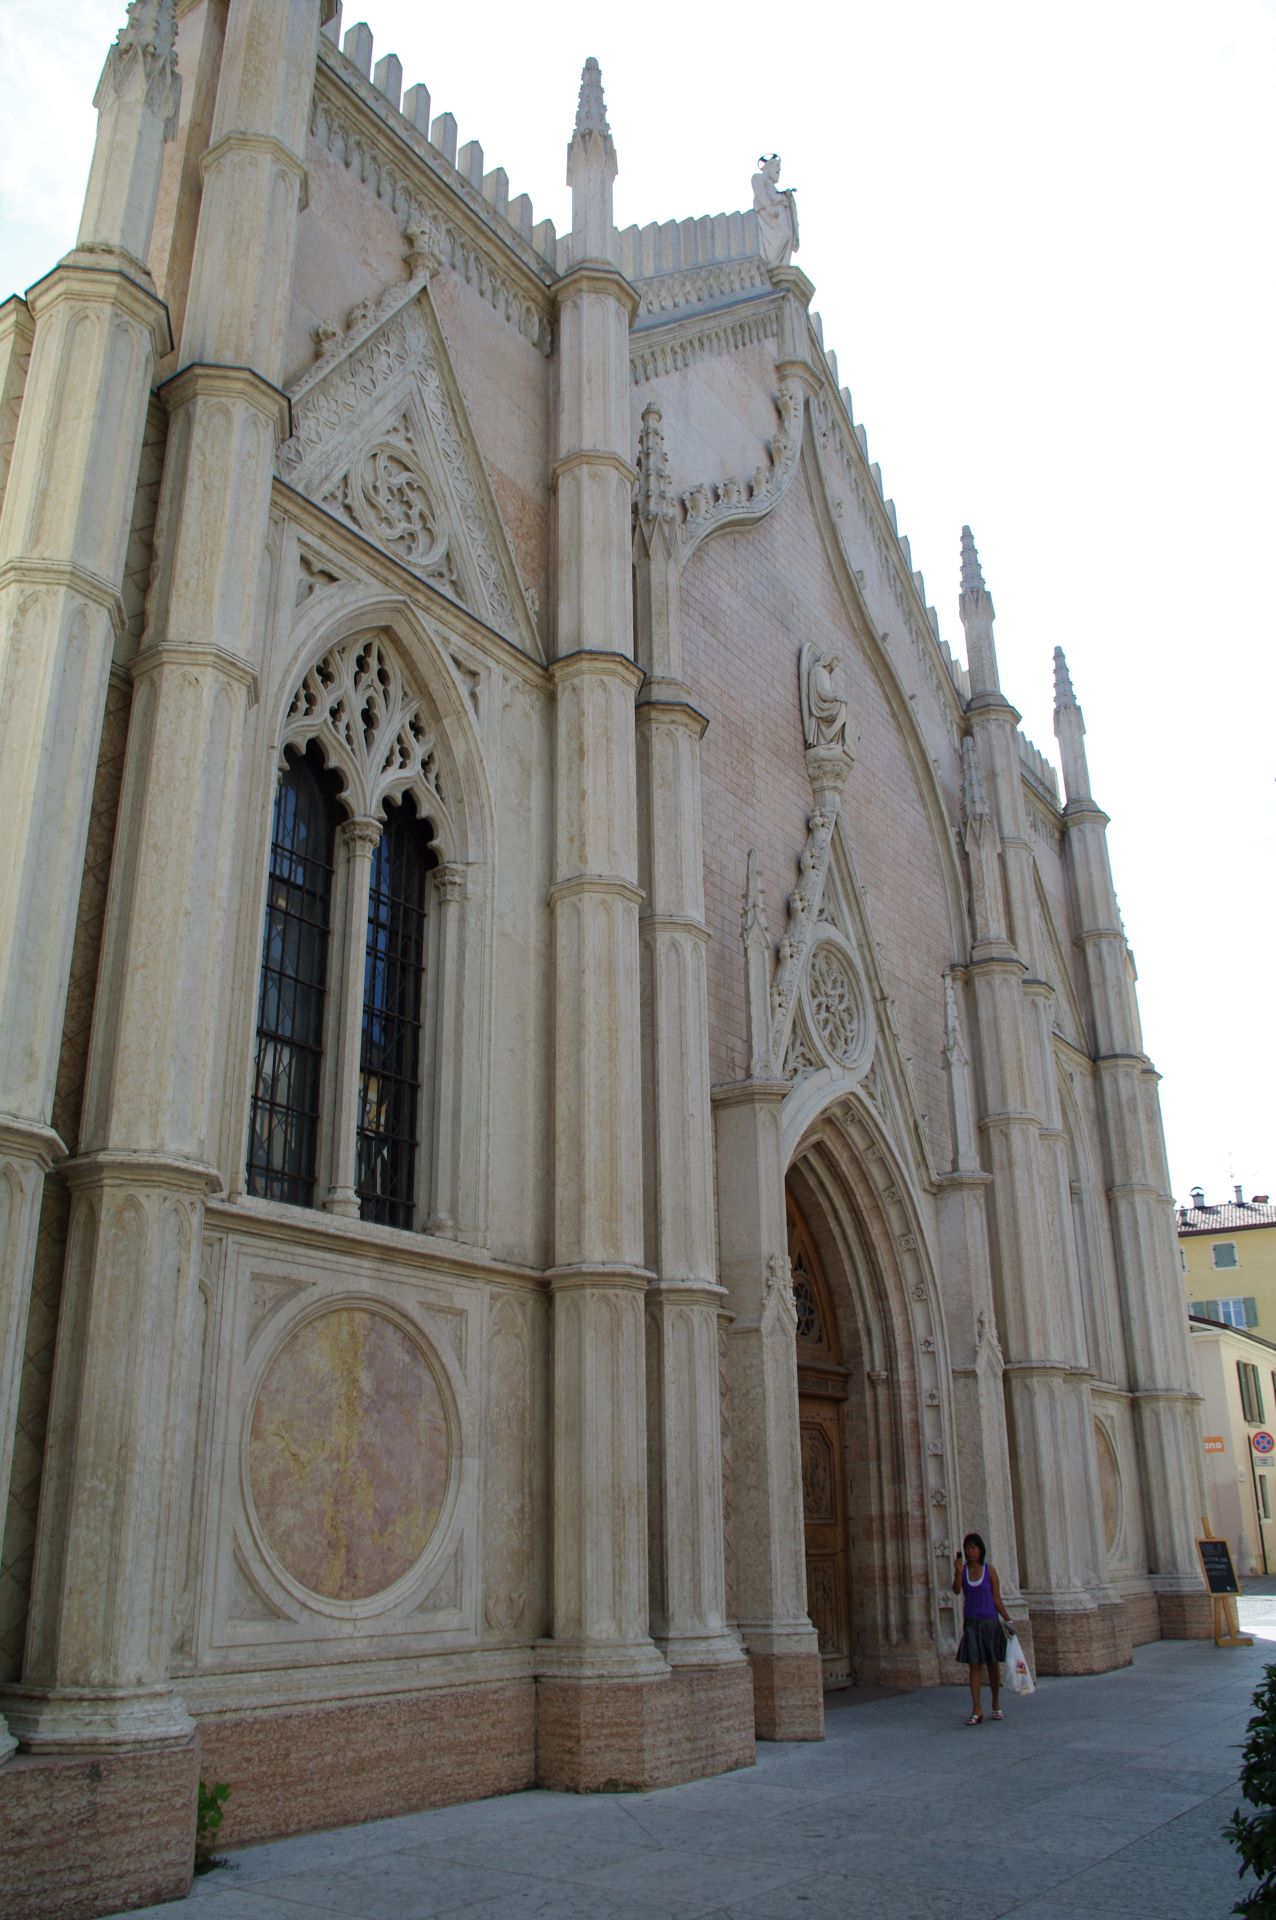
<point x="602" y="1735"/>
<point x="1186" y="1616"/>
<point x="1143" y="1619"/>
<point x="788" y="1696"/>
<point x="82" y="1836"/>
<point x="297" y="1769"/>
<point x="1095" y="1641"/>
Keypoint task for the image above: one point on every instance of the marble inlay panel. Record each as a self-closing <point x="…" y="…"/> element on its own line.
<point x="350" y="1454"/>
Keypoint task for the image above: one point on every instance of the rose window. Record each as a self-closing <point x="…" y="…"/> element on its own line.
<point x="835" y="1004"/>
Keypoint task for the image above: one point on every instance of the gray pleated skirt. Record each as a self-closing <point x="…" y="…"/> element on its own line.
<point x="982" y="1644"/>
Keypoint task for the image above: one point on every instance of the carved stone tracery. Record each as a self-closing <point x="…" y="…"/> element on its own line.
<point x="835" y="1004"/>
<point x="355" y="704"/>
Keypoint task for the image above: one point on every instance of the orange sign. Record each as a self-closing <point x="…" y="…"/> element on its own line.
<point x="1214" y="1443"/>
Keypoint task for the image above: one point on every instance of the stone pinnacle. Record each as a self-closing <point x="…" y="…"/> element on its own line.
<point x="972" y="579"/>
<point x="591" y="113"/>
<point x="1063" y="694"/>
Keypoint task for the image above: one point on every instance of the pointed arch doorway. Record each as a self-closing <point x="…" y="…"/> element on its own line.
<point x="874" y="1431"/>
<point x="823" y="1386"/>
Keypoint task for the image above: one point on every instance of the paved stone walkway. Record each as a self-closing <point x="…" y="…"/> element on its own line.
<point x="1097" y="1798"/>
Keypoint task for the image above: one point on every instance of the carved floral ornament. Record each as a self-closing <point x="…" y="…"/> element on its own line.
<point x="356" y="705"/>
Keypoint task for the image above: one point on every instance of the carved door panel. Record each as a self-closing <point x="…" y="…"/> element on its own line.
<point x="824" y="1509"/>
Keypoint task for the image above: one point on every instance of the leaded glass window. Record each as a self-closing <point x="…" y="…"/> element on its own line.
<point x="389" y="1065"/>
<point x="284" y="1128"/>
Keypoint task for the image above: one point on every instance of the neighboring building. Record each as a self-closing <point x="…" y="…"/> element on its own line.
<point x="1237" y="1376"/>
<point x="571" y="1096"/>
<point x="1227" y="1256"/>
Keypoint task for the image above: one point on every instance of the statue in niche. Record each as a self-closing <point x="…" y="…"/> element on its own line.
<point x="823" y="708"/>
<point x="776" y="209"/>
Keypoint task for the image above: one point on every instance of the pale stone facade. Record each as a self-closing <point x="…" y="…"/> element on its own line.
<point x="777" y="1187"/>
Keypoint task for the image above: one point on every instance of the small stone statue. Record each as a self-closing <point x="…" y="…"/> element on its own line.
<point x="776" y="209"/>
<point x="823" y="708"/>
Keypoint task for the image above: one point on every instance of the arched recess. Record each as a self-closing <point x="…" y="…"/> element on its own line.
<point x="437" y="756"/>
<point x="847" y="1190"/>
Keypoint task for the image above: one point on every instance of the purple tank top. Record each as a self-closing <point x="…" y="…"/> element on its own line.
<point x="980" y="1604"/>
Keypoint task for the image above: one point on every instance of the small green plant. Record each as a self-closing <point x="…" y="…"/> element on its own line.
<point x="208" y="1818"/>
<point x="1254" y="1835"/>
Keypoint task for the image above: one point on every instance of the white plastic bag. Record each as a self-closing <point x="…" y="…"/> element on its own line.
<point x="1015" y="1669"/>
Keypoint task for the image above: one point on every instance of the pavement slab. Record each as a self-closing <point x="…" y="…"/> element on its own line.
<point x="1101" y="1797"/>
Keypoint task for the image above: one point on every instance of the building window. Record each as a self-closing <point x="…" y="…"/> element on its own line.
<point x="389" y="1062"/>
<point x="1224" y="1252"/>
<point x="284" y="1130"/>
<point x="1238" y="1312"/>
<point x="336" y="1112"/>
<point x="1251" y="1393"/>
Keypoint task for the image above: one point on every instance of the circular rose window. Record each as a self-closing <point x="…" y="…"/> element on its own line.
<point x="349" y="1454"/>
<point x="835" y="1004"/>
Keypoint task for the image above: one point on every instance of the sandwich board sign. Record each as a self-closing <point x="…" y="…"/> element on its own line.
<point x="1220" y="1578"/>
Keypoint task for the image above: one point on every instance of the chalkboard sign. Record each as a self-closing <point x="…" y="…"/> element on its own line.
<point x="1216" y="1559"/>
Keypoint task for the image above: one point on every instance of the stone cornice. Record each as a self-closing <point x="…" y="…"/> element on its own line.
<point x="30" y="1140"/>
<point x="354" y="122"/>
<point x="594" y="457"/>
<point x="219" y="659"/>
<point x="570" y="666"/>
<point x="667" y="348"/>
<point x="613" y="885"/>
<point x="265" y="143"/>
<point x="695" y="291"/>
<point x="200" y="377"/>
<point x="575" y="1276"/>
<point x="597" y="277"/>
<point x="68" y="577"/>
<point x="291" y="1226"/>
<point x="749" y="1093"/>
<point x="115" y="1167"/>
<point x="117" y="285"/>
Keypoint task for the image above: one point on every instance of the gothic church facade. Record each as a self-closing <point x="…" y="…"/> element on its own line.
<point x="572" y="1110"/>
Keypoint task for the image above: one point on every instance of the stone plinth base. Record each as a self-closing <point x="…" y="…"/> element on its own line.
<point x="1094" y="1640"/>
<point x="897" y="1667"/>
<point x="1184" y="1616"/>
<point x="1142" y="1618"/>
<point x="600" y="1735"/>
<point x="86" y="1835"/>
<point x="788" y="1696"/>
<point x="296" y="1769"/>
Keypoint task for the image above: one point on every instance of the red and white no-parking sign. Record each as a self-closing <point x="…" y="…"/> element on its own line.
<point x="1262" y="1442"/>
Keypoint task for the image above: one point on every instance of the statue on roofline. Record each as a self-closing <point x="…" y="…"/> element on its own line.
<point x="776" y="209"/>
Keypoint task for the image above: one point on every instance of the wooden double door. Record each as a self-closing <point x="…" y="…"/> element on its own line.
<point x="822" y="1391"/>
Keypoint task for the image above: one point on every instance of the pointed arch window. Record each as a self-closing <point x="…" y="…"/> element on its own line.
<point x="337" y="1113"/>
<point x="390" y="1053"/>
<point x="284" y="1130"/>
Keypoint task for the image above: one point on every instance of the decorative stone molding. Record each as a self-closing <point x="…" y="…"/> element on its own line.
<point x="479" y="264"/>
<point x="672" y="294"/>
<point x="671" y="349"/>
<point x="415" y="487"/>
<point x="713" y="504"/>
<point x="355" y="705"/>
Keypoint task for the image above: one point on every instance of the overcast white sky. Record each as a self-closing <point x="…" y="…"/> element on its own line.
<point x="1041" y="239"/>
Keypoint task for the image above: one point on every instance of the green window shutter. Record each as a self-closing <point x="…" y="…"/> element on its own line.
<point x="1212" y="1311"/>
<point x="1198" y="1308"/>
<point x="1251" y="1310"/>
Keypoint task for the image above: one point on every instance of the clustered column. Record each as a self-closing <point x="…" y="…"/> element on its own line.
<point x="684" y="1300"/>
<point x="603" y="1684"/>
<point x="96" y="1672"/>
<point x="1166" y="1407"/>
<point x="99" y="328"/>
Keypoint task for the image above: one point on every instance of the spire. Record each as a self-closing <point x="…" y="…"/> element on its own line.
<point x="655" y="489"/>
<point x="591" y="112"/>
<point x="1069" y="731"/>
<point x="591" y="168"/>
<point x="974" y="797"/>
<point x="136" y="100"/>
<point x="977" y="614"/>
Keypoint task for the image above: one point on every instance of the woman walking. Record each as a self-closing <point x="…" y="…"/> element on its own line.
<point x="983" y="1640"/>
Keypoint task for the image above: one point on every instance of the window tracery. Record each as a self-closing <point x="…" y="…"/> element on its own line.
<point x="336" y="1111"/>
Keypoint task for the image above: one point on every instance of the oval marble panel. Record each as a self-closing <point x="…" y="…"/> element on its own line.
<point x="349" y="1454"/>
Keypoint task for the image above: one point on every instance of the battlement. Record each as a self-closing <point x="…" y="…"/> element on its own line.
<point x="1038" y="768"/>
<point x="672" y="246"/>
<point x="468" y="161"/>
